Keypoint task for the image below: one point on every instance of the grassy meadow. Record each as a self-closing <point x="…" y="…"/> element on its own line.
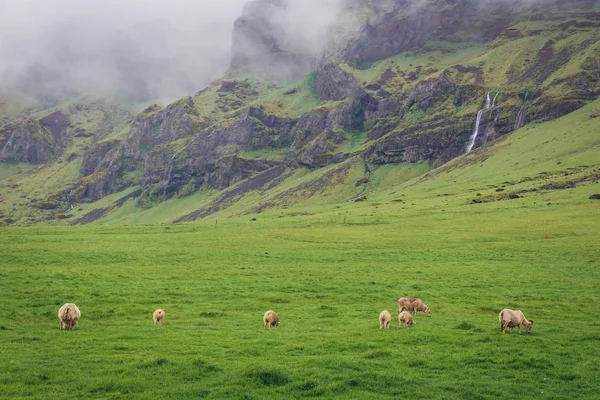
<point x="451" y="236"/>
<point x="328" y="280"/>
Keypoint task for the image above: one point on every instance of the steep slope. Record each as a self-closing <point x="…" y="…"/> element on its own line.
<point x="390" y="92"/>
<point x="50" y="146"/>
<point x="551" y="162"/>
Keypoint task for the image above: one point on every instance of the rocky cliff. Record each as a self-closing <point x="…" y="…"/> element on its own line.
<point x="404" y="87"/>
<point x="422" y="113"/>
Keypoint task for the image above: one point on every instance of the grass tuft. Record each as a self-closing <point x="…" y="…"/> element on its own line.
<point x="269" y="376"/>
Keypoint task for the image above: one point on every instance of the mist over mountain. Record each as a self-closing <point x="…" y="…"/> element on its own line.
<point x="139" y="49"/>
<point x="249" y="93"/>
<point x="142" y="50"/>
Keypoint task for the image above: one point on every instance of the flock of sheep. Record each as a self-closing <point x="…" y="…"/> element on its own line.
<point x="69" y="315"/>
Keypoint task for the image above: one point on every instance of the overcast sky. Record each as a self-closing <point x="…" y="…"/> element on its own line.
<point x="144" y="48"/>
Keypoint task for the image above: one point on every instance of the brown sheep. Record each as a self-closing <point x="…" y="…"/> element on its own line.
<point x="511" y="318"/>
<point x="68" y="315"/>
<point x="385" y="318"/>
<point x="158" y="316"/>
<point x="271" y="319"/>
<point x="413" y="304"/>
<point x="406" y="318"/>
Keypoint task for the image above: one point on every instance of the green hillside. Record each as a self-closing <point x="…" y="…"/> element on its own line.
<point x="447" y="236"/>
<point x="248" y="144"/>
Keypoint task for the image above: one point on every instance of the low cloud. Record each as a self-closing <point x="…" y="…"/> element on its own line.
<point x="141" y="49"/>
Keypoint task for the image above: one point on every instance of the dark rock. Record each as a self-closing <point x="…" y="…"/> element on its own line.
<point x="30" y="142"/>
<point x="335" y="84"/>
<point x="48" y="204"/>
<point x="388" y="34"/>
<point x="428" y="93"/>
<point x="94" y="156"/>
<point x="57" y="123"/>
<point x="514" y="196"/>
<point x="320" y="151"/>
<point x="363" y="181"/>
<point x="387" y="75"/>
<point x="595" y="197"/>
<point x="559" y="185"/>
<point x="227" y="86"/>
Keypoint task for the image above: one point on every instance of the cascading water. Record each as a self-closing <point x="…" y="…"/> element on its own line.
<point x="488" y="103"/>
<point x="495" y="97"/>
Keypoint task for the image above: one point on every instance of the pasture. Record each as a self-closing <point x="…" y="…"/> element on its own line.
<point x="328" y="275"/>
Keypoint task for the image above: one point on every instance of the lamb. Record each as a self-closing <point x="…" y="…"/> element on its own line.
<point x="406" y="318"/>
<point x="385" y="318"/>
<point x="68" y="315"/>
<point x="511" y="318"/>
<point x="413" y="304"/>
<point x="271" y="319"/>
<point x="158" y="316"/>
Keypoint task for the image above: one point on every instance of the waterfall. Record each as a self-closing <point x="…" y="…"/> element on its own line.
<point x="495" y="97"/>
<point x="488" y="103"/>
<point x="520" y="121"/>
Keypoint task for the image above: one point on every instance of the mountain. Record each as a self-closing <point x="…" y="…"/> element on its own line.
<point x="395" y="88"/>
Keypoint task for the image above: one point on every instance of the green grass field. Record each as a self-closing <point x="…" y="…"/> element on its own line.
<point x="451" y="237"/>
<point x="328" y="280"/>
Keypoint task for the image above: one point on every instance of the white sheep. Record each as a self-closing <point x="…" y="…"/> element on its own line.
<point x="68" y="315"/>
<point x="271" y="319"/>
<point x="158" y="316"/>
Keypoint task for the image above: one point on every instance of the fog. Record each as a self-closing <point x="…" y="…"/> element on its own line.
<point x="140" y="49"/>
<point x="155" y="49"/>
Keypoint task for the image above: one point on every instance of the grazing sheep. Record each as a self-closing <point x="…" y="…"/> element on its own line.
<point x="511" y="318"/>
<point x="385" y="318"/>
<point x="68" y="315"/>
<point x="158" y="316"/>
<point x="413" y="304"/>
<point x="406" y="318"/>
<point x="271" y="319"/>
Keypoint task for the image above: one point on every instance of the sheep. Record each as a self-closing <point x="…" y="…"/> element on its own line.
<point x="413" y="304"/>
<point x="405" y="318"/>
<point x="271" y="319"/>
<point x="385" y="318"/>
<point x="511" y="318"/>
<point x="158" y="316"/>
<point x="68" y="315"/>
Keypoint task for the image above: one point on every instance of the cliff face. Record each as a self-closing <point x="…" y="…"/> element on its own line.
<point x="259" y="44"/>
<point x="29" y="142"/>
<point x="405" y="87"/>
<point x="417" y="114"/>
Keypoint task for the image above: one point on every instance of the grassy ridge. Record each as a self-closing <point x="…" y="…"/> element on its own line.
<point x="328" y="280"/>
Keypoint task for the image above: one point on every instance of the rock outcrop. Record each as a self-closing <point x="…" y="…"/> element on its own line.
<point x="259" y="44"/>
<point x="30" y="142"/>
